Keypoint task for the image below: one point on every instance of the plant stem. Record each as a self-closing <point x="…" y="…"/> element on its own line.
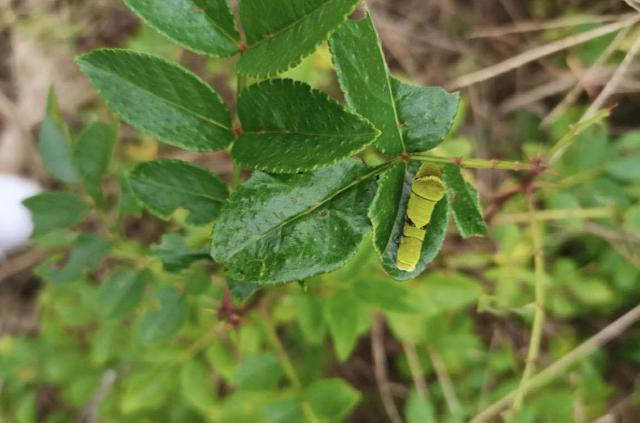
<point x="563" y="143"/>
<point x="557" y="214"/>
<point x="285" y="362"/>
<point x="559" y="367"/>
<point x="453" y="403"/>
<point x="539" y="316"/>
<point x="417" y="374"/>
<point x="473" y="163"/>
<point x="236" y="173"/>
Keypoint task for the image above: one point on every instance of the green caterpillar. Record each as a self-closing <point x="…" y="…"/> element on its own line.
<point x="426" y="190"/>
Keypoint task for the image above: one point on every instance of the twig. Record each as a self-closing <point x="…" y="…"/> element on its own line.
<point x="417" y="373"/>
<point x="573" y="95"/>
<point x="557" y="214"/>
<point x="380" y="369"/>
<point x="559" y="367"/>
<point x="539" y="316"/>
<point x="530" y="26"/>
<point x="615" y="81"/>
<point x="634" y="4"/>
<point x="285" y="362"/>
<point x="538" y="53"/>
<point x="563" y="143"/>
<point x="474" y="163"/>
<point x="453" y="403"/>
<point x="90" y="412"/>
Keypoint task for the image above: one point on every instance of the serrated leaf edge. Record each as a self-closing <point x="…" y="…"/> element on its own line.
<point x="80" y="60"/>
<point x="312" y="91"/>
<point x="295" y="62"/>
<point x="234" y="41"/>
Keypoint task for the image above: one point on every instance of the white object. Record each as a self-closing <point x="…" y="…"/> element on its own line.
<point x="15" y="220"/>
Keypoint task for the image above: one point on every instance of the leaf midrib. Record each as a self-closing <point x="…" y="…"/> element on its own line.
<point x="169" y="102"/>
<point x="287" y="27"/>
<point x="184" y="191"/>
<point x="313" y="134"/>
<point x="311" y="209"/>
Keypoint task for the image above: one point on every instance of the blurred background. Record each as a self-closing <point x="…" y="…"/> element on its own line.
<point x="473" y="331"/>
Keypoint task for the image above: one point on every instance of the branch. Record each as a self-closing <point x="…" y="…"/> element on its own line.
<point x="538" y="53"/>
<point x="380" y="369"/>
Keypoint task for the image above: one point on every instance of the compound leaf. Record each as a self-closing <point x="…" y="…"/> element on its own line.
<point x="166" y="185"/>
<point x="283" y="228"/>
<point x="289" y="127"/>
<point x="202" y="26"/>
<point x="160" y="97"/>
<point x="280" y="33"/>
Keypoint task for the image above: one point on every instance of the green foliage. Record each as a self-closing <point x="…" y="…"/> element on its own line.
<point x="92" y="155"/>
<point x="163" y="186"/>
<point x="464" y="203"/>
<point x="293" y="28"/>
<point x="364" y="78"/>
<point x="283" y="228"/>
<point x="203" y="27"/>
<point x="54" y="143"/>
<point x="175" y="254"/>
<point x="195" y="340"/>
<point x="160" y="97"/>
<point x="300" y="129"/>
<point x="55" y="210"/>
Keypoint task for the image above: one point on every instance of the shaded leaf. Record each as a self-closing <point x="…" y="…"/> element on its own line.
<point x="197" y="280"/>
<point x="258" y="372"/>
<point x="418" y="409"/>
<point x="122" y="291"/>
<point x="280" y="33"/>
<point x="388" y="214"/>
<point x="289" y="128"/>
<point x="88" y="251"/>
<point x="283" y="228"/>
<point x="196" y="385"/>
<point x="341" y="313"/>
<point x="166" y="185"/>
<point x="55" y="210"/>
<point x="147" y="389"/>
<point x="160" y="97"/>
<point x="310" y="313"/>
<point x="241" y="291"/>
<point x="364" y="78"/>
<point x="203" y="26"/>
<point x="54" y="144"/>
<point x="464" y="203"/>
<point x="92" y="155"/>
<point x="426" y="114"/>
<point x="127" y="203"/>
<point x="332" y="399"/>
<point x="166" y="320"/>
<point x="175" y="254"/>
